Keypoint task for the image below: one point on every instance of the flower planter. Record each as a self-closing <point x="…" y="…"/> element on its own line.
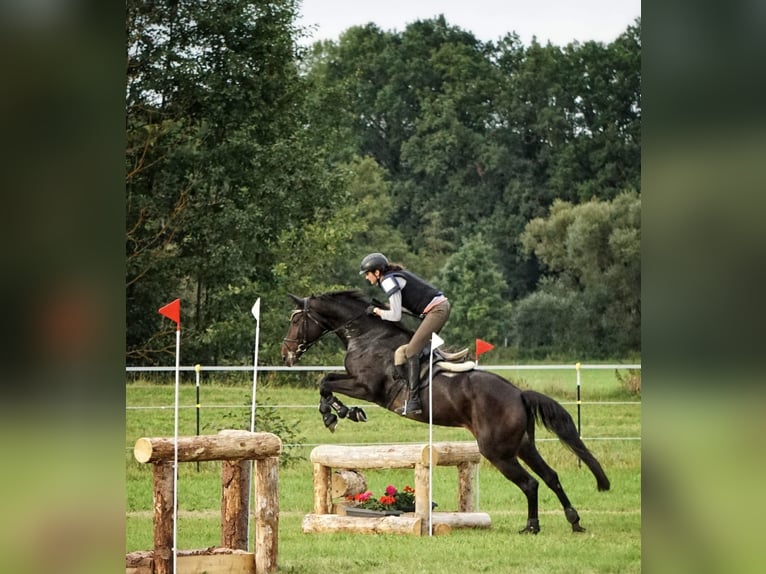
<point x="371" y="513"/>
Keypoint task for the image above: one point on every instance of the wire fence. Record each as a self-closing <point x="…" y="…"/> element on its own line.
<point x="577" y="367"/>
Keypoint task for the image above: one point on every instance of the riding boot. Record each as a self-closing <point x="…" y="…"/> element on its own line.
<point x="413" y="406"/>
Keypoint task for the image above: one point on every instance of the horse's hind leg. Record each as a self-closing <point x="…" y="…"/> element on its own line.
<point x="530" y="455"/>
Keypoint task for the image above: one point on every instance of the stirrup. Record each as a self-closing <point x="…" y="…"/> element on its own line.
<point x="405" y="410"/>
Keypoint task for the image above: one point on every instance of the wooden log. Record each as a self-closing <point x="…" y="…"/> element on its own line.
<point x="235" y="503"/>
<point x="461" y="519"/>
<point x="266" y="514"/>
<point x="163" y="517"/>
<point x="439" y="529"/>
<point x="465" y="471"/>
<point x="452" y="453"/>
<point x="347" y="482"/>
<point x="195" y="561"/>
<point x="229" y="563"/>
<point x="395" y="456"/>
<point x="238" y="446"/>
<point x="371" y="456"/>
<point x="139" y="562"/>
<point x="322" y="489"/>
<point x="405" y="524"/>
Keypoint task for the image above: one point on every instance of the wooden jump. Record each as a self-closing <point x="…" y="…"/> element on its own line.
<point x="235" y="448"/>
<point x="463" y="455"/>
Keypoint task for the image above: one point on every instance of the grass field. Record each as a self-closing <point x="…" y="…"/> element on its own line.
<point x="611" y="423"/>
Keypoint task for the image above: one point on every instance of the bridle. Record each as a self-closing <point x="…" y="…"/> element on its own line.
<point x="304" y="344"/>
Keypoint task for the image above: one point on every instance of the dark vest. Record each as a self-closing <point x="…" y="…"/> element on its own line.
<point x="417" y="294"/>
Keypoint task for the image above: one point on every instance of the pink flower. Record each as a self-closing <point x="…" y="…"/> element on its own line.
<point x="390" y="490"/>
<point x="364" y="496"/>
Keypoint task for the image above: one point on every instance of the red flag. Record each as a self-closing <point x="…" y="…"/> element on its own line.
<point x="172" y="311"/>
<point x="483" y="347"/>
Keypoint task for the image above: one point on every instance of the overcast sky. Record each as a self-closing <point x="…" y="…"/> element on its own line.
<point x="560" y="21"/>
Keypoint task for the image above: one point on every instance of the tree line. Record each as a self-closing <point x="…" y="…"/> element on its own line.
<point x="508" y="175"/>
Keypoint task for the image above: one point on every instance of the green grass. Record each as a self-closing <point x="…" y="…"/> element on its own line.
<point x="612" y="519"/>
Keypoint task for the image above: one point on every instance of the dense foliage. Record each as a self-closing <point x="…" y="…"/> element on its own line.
<point x="508" y="175"/>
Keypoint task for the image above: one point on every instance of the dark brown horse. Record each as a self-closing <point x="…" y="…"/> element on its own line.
<point x="500" y="416"/>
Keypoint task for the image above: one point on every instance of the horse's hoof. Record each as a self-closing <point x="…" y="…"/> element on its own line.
<point x="357" y="415"/>
<point x="330" y="421"/>
<point x="574" y="519"/>
<point x="532" y="527"/>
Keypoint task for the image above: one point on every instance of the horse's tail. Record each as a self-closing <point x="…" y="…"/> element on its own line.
<point x="556" y="419"/>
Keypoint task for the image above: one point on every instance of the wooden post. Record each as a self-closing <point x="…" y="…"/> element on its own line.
<point x="422" y="486"/>
<point x="266" y="514"/>
<point x="163" y="517"/>
<point x="322" y="489"/>
<point x="235" y="503"/>
<point x="465" y="486"/>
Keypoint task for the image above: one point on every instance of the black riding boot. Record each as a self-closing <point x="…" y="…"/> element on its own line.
<point x="413" y="406"/>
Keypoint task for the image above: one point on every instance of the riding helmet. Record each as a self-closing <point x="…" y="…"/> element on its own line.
<point x="372" y="262"/>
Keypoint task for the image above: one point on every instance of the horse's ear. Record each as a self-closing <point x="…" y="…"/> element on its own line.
<point x="297" y="300"/>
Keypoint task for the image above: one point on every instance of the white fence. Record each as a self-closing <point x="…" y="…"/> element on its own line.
<point x="570" y="367"/>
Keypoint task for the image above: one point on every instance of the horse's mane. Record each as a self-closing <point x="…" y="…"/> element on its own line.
<point x="357" y="297"/>
<point x="351" y="294"/>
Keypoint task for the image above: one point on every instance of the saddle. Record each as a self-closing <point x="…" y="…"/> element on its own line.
<point x="454" y="362"/>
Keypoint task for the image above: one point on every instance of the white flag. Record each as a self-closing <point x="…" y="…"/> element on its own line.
<point x="436" y="341"/>
<point x="256" y="310"/>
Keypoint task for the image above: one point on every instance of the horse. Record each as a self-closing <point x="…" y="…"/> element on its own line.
<point x="500" y="416"/>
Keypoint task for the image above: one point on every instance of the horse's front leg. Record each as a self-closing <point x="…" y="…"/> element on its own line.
<point x="328" y="401"/>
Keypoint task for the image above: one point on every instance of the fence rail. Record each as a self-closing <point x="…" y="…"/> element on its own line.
<point x="265" y="368"/>
<point x="317" y="368"/>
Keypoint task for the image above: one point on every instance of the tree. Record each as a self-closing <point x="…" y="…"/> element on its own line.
<point x="592" y="258"/>
<point x="474" y="286"/>
<point x="218" y="162"/>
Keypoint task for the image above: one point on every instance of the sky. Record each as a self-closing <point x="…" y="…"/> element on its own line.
<point x="557" y="21"/>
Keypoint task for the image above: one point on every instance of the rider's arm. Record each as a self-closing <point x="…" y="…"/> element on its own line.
<point x="392" y="286"/>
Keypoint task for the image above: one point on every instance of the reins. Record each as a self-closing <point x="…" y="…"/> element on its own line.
<point x="305" y="345"/>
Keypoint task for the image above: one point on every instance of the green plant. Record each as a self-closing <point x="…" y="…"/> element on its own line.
<point x="630" y="381"/>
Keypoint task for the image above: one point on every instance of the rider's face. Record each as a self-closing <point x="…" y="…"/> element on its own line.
<point x="372" y="276"/>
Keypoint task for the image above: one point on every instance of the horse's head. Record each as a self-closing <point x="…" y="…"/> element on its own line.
<point x="339" y="312"/>
<point x="304" y="330"/>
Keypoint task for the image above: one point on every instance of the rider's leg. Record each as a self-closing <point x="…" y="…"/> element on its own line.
<point x="413" y="406"/>
<point x="400" y="363"/>
<point x="431" y="323"/>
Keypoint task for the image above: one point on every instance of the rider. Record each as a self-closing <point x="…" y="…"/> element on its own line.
<point x="405" y="289"/>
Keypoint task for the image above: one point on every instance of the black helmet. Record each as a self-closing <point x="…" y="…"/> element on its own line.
<point x="372" y="262"/>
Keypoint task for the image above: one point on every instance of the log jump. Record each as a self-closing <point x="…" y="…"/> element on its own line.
<point x="236" y="449"/>
<point x="463" y="455"/>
